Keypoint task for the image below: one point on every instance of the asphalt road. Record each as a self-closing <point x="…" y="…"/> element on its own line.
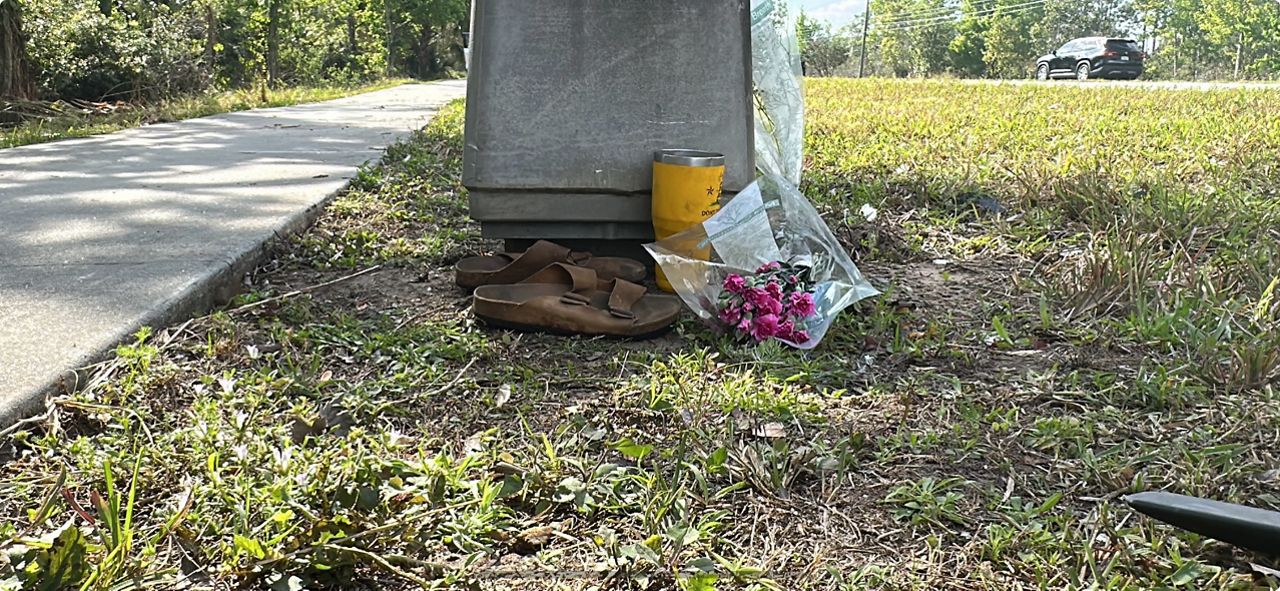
<point x="1153" y="84"/>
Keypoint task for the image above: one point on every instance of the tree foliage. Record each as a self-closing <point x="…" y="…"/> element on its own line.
<point x="916" y="42"/>
<point x="1010" y="51"/>
<point x="139" y="49"/>
<point x="822" y="50"/>
<point x="1002" y="38"/>
<point x="969" y="45"/>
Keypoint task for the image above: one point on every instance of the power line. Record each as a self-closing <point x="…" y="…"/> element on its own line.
<point x="949" y="15"/>
<point x="897" y="17"/>
<point x="903" y="17"/>
<point x="983" y="12"/>
<point x="1010" y="9"/>
<point x="944" y="11"/>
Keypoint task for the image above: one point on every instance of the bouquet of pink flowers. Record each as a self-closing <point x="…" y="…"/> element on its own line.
<point x="773" y="303"/>
<point x="803" y="276"/>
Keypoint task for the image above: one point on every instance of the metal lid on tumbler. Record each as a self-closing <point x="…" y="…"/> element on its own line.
<point x="683" y="157"/>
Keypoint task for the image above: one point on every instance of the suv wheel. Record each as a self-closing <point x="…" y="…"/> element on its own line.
<point x="1042" y="72"/>
<point x="1082" y="71"/>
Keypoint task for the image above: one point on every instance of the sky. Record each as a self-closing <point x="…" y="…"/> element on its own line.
<point x="837" y="12"/>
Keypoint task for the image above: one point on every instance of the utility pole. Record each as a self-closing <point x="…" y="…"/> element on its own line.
<point x="866" y="21"/>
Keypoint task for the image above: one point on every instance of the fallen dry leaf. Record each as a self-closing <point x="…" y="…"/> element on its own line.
<point x="770" y="430"/>
<point x="534" y="538"/>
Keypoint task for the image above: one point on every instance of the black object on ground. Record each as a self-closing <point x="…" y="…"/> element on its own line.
<point x="979" y="202"/>
<point x="1247" y="527"/>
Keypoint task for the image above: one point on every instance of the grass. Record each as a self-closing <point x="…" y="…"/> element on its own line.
<point x="1153" y="213"/>
<point x="73" y="124"/>
<point x="1111" y="330"/>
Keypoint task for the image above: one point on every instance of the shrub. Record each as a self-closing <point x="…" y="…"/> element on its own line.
<point x="81" y="53"/>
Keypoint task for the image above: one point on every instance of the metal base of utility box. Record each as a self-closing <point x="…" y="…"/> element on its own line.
<point x="568" y="99"/>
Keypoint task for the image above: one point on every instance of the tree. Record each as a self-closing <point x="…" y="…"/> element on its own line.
<point x="1002" y="38"/>
<point x="892" y="38"/>
<point x="1249" y="29"/>
<point x="914" y="36"/>
<point x="420" y="31"/>
<point x="807" y="28"/>
<point x="273" y="41"/>
<point x="1153" y="14"/>
<point x="15" y="69"/>
<point x="1187" y="43"/>
<point x="930" y="40"/>
<point x="1063" y="20"/>
<point x="150" y="49"/>
<point x="822" y="51"/>
<point x="969" y="44"/>
<point x="1010" y="51"/>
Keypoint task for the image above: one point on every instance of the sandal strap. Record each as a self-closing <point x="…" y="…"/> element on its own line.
<point x="560" y="254"/>
<point x="532" y="260"/>
<point x="577" y="257"/>
<point x="623" y="296"/>
<point x="573" y="257"/>
<point x="574" y="278"/>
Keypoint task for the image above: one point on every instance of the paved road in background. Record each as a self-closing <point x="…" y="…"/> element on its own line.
<point x="100" y="236"/>
<point x="1203" y="86"/>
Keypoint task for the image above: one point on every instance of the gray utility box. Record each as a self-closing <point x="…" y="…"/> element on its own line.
<point x="568" y="99"/>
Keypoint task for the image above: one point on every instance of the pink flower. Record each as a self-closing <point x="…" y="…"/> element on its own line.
<point x="775" y="289"/>
<point x="763" y="301"/>
<point x="765" y="268"/>
<point x="802" y="304"/>
<point x="744" y="325"/>
<point x="731" y="315"/>
<point x="735" y="283"/>
<point x="764" y="327"/>
<point x="786" y="329"/>
<point x="793" y="279"/>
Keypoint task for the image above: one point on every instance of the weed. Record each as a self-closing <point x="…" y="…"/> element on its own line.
<point x="929" y="500"/>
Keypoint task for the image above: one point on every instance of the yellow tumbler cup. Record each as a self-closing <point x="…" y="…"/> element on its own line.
<point x="686" y="191"/>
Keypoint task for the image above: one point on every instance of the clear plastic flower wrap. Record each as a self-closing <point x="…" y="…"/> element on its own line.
<point x="764" y="267"/>
<point x="779" y="98"/>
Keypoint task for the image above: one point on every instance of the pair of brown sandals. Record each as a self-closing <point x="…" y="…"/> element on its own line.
<point x="550" y="288"/>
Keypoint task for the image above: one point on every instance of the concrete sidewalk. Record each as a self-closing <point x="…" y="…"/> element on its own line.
<point x="100" y="236"/>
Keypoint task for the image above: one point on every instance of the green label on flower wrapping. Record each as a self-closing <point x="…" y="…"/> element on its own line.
<point x="761" y="11"/>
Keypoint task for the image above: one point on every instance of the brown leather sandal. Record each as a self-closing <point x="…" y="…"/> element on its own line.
<point x="503" y="268"/>
<point x="565" y="299"/>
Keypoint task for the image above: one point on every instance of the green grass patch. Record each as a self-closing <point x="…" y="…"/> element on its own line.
<point x="71" y="124"/>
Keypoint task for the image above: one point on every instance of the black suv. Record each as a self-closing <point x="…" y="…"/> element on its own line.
<point x="1093" y="57"/>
